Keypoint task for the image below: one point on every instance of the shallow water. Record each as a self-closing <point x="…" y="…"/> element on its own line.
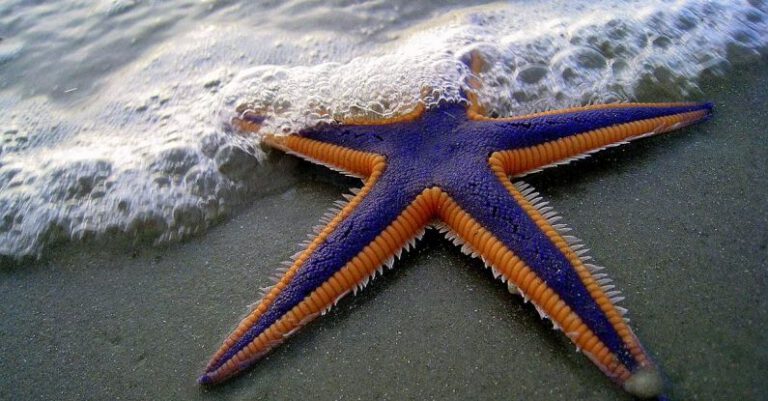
<point x="115" y="114"/>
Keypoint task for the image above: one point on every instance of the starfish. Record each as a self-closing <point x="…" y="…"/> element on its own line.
<point x="449" y="167"/>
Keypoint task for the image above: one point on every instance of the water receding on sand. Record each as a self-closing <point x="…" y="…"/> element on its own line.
<point x="115" y="115"/>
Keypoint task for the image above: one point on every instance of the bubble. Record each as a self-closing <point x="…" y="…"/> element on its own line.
<point x="532" y="74"/>
<point x="201" y="182"/>
<point x="188" y="216"/>
<point x="7" y="217"/>
<point x="146" y="225"/>
<point x="176" y="160"/>
<point x="236" y="163"/>
<point x="76" y="180"/>
<point x="210" y="143"/>
<point x="662" y="42"/>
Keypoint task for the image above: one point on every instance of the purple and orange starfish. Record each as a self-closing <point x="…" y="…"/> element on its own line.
<point x="449" y="167"/>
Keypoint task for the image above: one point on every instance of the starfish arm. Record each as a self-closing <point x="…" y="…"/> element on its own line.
<point x="517" y="238"/>
<point x="412" y="115"/>
<point x="475" y="111"/>
<point x="249" y="120"/>
<point x="335" y="144"/>
<point x="348" y="161"/>
<point x="367" y="234"/>
<point x="546" y="139"/>
<point x="372" y="137"/>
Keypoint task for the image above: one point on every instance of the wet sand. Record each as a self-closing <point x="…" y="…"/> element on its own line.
<point x="681" y="221"/>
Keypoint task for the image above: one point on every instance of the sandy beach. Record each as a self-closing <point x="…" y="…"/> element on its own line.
<point x="681" y="221"/>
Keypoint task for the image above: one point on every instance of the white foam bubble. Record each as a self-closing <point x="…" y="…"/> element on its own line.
<point x="539" y="57"/>
<point x="142" y="147"/>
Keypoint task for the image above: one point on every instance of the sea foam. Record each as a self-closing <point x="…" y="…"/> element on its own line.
<point x="126" y="132"/>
